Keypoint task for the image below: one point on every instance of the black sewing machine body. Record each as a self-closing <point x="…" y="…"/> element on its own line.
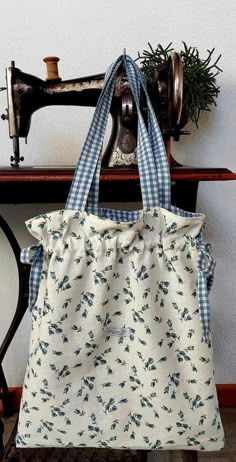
<point x="27" y="93"/>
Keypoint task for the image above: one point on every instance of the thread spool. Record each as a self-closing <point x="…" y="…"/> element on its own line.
<point x="52" y="68"/>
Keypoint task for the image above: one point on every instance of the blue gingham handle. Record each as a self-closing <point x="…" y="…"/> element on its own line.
<point x="33" y="256"/>
<point x="155" y="139"/>
<point x="206" y="267"/>
<point x="152" y="160"/>
<point x="89" y="157"/>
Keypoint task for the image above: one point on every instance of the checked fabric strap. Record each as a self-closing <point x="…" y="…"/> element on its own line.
<point x="152" y="160"/>
<point x="206" y="266"/>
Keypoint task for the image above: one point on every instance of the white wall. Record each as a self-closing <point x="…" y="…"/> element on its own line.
<point x="88" y="36"/>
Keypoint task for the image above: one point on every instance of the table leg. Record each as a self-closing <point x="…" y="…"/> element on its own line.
<point x="1" y="437"/>
<point x="190" y="456"/>
<point x="23" y="273"/>
<point x="144" y="456"/>
<point x="184" y="195"/>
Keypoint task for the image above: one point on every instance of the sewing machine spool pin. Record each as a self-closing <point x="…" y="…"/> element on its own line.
<point x="123" y="62"/>
<point x="52" y="68"/>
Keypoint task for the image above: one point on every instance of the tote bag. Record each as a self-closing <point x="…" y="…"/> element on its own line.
<point x="120" y="351"/>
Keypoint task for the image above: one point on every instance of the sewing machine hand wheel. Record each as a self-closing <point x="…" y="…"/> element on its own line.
<point x="176" y="91"/>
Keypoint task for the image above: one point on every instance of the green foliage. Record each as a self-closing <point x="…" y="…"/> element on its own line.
<point x="200" y="86"/>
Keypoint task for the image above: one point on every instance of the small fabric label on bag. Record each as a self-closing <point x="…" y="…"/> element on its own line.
<point x="117" y="331"/>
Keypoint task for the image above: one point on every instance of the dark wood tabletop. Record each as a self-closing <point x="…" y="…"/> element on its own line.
<point x="51" y="184"/>
<point x="65" y="173"/>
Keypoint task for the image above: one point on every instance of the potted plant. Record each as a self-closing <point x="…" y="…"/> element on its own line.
<point x="200" y="88"/>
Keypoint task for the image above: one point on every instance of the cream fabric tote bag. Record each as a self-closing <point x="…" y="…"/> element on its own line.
<point x="120" y="352"/>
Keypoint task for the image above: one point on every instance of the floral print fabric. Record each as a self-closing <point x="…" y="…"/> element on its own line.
<point x="117" y="357"/>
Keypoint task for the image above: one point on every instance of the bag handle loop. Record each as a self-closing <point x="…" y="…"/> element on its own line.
<point x="152" y="160"/>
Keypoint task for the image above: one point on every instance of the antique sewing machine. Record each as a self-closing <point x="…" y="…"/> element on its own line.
<point x="27" y="94"/>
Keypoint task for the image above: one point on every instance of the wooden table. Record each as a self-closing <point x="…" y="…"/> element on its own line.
<point x="27" y="185"/>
